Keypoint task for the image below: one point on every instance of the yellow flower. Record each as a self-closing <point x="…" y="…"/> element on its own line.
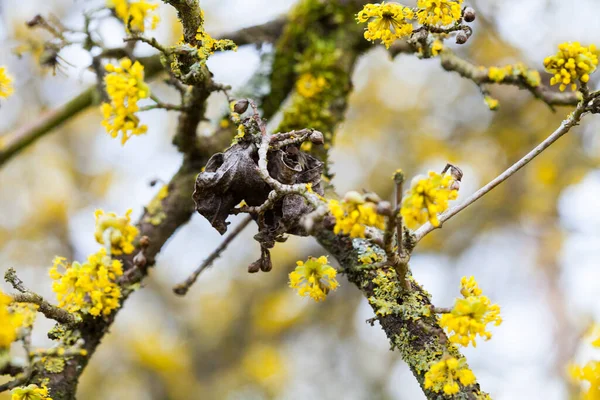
<point x="590" y="373"/>
<point x="89" y="288"/>
<point x="491" y="102"/>
<point x="31" y="392"/>
<point x="354" y="214"/>
<point x="314" y="278"/>
<point x="135" y="14"/>
<point x="470" y="316"/>
<point x="426" y="198"/>
<point x="437" y="47"/>
<point x="445" y="375"/>
<point x="10" y="322"/>
<point x="124" y="86"/>
<point x="387" y="22"/>
<point x="118" y="230"/>
<point x="439" y="12"/>
<point x="572" y="62"/>
<point x="6" y="88"/>
<point x="309" y="85"/>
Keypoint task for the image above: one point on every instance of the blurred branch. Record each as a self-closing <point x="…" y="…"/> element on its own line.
<point x="27" y="135"/>
<point x="572" y="120"/>
<point x="268" y="32"/>
<point x="183" y="287"/>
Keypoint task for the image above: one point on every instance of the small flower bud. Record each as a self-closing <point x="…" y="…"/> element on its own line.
<point x="316" y="137"/>
<point x="140" y="260"/>
<point x="469" y="14"/>
<point x="241" y="106"/>
<point x="384" y="208"/>
<point x="461" y="38"/>
<point x="144" y="241"/>
<point x="354" y="197"/>
<point x="372" y="198"/>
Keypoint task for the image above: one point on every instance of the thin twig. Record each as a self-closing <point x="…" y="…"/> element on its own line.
<point x="183" y="287"/>
<point x="564" y="127"/>
<point x="27" y="296"/>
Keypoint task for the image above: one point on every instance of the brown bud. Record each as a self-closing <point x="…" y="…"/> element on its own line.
<point x="144" y="242"/>
<point x="316" y="137"/>
<point x="140" y="260"/>
<point x="384" y="208"/>
<point x="461" y="38"/>
<point x="469" y="14"/>
<point x="241" y="106"/>
<point x="372" y="197"/>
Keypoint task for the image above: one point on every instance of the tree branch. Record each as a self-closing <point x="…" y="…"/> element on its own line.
<point x="572" y="120"/>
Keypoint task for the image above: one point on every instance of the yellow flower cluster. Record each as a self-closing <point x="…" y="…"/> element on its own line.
<point x="354" y="214"/>
<point x="445" y="375"/>
<point x="387" y="22"/>
<point x="10" y="322"/>
<point x="115" y="231"/>
<point x="314" y="278"/>
<point x="499" y="74"/>
<point x="470" y="315"/>
<point x="439" y="12"/>
<point x="572" y="62"/>
<point x="207" y="45"/>
<point x="89" y="288"/>
<point x="426" y="198"/>
<point x="308" y="85"/>
<point x="590" y="373"/>
<point x="31" y="392"/>
<point x="125" y="86"/>
<point x="6" y="88"/>
<point x="135" y="14"/>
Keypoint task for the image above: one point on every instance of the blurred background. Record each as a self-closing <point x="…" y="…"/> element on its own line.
<point x="532" y="243"/>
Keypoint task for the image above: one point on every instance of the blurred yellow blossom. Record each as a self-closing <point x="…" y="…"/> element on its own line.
<point x="264" y="364"/>
<point x="90" y="287"/>
<point x="439" y="12"/>
<point x="135" y="14"/>
<point x="572" y="62"/>
<point x="354" y="214"/>
<point x="31" y="392"/>
<point x="10" y="322"/>
<point x="117" y="229"/>
<point x="125" y="86"/>
<point x="445" y="375"/>
<point x="314" y="278"/>
<point x="470" y="315"/>
<point x="6" y="88"/>
<point x="426" y="198"/>
<point x="387" y="22"/>
<point x="437" y="47"/>
<point x="308" y="85"/>
<point x="589" y="373"/>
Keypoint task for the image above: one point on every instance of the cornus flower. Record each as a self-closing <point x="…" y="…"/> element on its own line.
<point x="470" y="315"/>
<point x="426" y="198"/>
<point x="31" y="392"/>
<point x="10" y="322"/>
<point x="115" y="232"/>
<point x="589" y="373"/>
<point x="90" y="287"/>
<point x="6" y="88"/>
<point x="314" y="278"/>
<point x="387" y="22"/>
<point x="308" y="85"/>
<point x="439" y="12"/>
<point x="573" y="62"/>
<point x="124" y="86"/>
<point x="354" y="214"/>
<point x="135" y="15"/>
<point x="445" y="375"/>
